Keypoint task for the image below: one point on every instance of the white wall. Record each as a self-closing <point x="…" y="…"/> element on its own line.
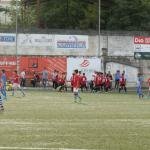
<point x="45" y="44"/>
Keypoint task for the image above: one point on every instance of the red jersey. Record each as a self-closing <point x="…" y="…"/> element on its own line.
<point x="107" y="82"/>
<point x="103" y="79"/>
<point x="80" y="79"/>
<point x="98" y="80"/>
<point x="76" y="81"/>
<point x="148" y="81"/>
<point x="16" y="79"/>
<point x="61" y="80"/>
<point x="83" y="80"/>
<point x="122" y="81"/>
<point x="1" y="85"/>
<point x="72" y="80"/>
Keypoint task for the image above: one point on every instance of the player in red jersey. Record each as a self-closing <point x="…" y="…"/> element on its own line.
<point x="76" y="85"/>
<point x="62" y="82"/>
<point x="107" y="83"/>
<point x="16" y="84"/>
<point x="80" y="77"/>
<point x="148" y="82"/>
<point x="103" y="77"/>
<point x="97" y="82"/>
<point x="83" y="82"/>
<point x="71" y="80"/>
<point x="122" y="83"/>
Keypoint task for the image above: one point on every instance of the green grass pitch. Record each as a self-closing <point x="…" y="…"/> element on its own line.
<point x="51" y="120"/>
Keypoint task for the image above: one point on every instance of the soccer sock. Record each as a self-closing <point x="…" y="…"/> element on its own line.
<point x="13" y="91"/>
<point x="75" y="96"/>
<point x="21" y="89"/>
<point x="1" y="104"/>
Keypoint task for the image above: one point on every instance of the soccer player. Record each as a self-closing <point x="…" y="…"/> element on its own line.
<point x="16" y="84"/>
<point x="107" y="83"/>
<point x="148" y="82"/>
<point x="54" y="77"/>
<point x="3" y="88"/>
<point x="139" y="88"/>
<point x="23" y="78"/>
<point x="111" y="79"/>
<point x="122" y="83"/>
<point x="62" y="82"/>
<point x="1" y="102"/>
<point x="44" y="77"/>
<point x="103" y="79"/>
<point x="71" y="80"/>
<point x="117" y="78"/>
<point x="76" y="85"/>
<point x="83" y="82"/>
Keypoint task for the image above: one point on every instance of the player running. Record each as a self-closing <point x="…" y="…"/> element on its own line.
<point x="16" y="84"/>
<point x="76" y="85"/>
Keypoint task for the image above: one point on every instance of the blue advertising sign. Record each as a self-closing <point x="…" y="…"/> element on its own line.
<point x="7" y="38"/>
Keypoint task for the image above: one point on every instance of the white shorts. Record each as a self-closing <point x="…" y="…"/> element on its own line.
<point x="16" y="85"/>
<point x="75" y="90"/>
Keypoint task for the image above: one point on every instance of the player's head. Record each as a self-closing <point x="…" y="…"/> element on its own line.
<point x="83" y="74"/>
<point x="3" y="71"/>
<point x="76" y="71"/>
<point x="15" y="71"/>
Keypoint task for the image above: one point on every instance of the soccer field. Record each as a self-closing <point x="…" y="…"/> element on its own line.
<point x="51" y="120"/>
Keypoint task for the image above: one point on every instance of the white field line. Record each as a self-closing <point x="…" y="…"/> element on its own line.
<point x="27" y="122"/>
<point x="36" y="148"/>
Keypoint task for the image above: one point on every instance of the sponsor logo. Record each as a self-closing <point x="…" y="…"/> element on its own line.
<point x="7" y="38"/>
<point x="137" y="55"/>
<point x="7" y="63"/>
<point x="141" y="40"/>
<point x="72" y="42"/>
<point x="85" y="63"/>
<point x="31" y="40"/>
<point x="138" y="47"/>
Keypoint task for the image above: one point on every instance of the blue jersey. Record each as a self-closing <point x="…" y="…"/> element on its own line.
<point x="3" y="78"/>
<point x="117" y="76"/>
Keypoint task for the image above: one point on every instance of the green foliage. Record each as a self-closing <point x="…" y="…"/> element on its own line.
<point x="26" y="16"/>
<point x="83" y="14"/>
<point x="129" y="15"/>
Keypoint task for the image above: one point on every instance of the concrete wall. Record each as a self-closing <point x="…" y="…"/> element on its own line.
<point x="29" y="45"/>
<point x="118" y="48"/>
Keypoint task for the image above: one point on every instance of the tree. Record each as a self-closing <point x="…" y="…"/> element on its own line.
<point x="26" y="14"/>
<point x="129" y="15"/>
<point x="83" y="14"/>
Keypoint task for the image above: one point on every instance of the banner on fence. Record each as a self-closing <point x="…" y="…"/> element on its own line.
<point x="37" y="40"/>
<point x="7" y="39"/>
<point x="85" y="65"/>
<point x="71" y="42"/>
